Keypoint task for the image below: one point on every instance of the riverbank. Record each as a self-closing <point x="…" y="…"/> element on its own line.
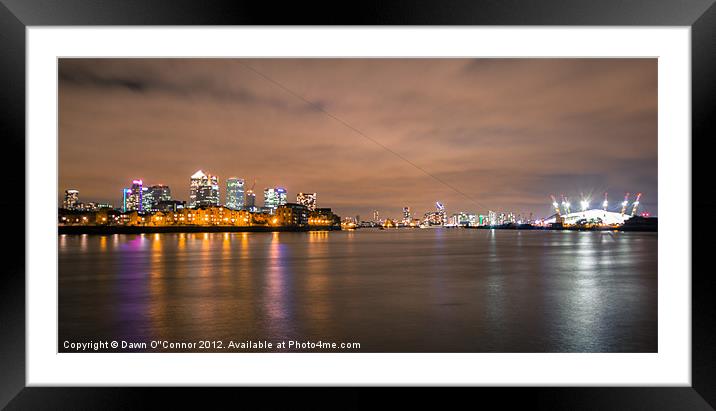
<point x="90" y="229"/>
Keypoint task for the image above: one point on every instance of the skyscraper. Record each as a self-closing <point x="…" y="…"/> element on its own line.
<point x="160" y="192"/>
<point x="126" y="192"/>
<point x="274" y="197"/>
<point x="406" y="214"/>
<point x="251" y="201"/>
<point x="270" y="199"/>
<point x="133" y="196"/>
<point x="282" y="194"/>
<point x="72" y="197"/>
<point x="307" y="199"/>
<point x="203" y="190"/>
<point x="235" y="193"/>
<point x="147" y="199"/>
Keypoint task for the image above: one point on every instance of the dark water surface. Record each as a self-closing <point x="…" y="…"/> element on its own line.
<point x="409" y="290"/>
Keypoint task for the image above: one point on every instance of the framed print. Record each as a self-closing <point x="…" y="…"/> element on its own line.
<point x="442" y="199"/>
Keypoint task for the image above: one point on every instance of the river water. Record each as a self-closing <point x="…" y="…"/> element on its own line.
<point x="400" y="290"/>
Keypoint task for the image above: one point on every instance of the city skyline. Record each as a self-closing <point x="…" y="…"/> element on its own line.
<point x="475" y="134"/>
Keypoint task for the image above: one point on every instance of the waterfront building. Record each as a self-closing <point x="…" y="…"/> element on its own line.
<point x="203" y="190"/>
<point x="92" y="206"/>
<point x="292" y="215"/>
<point x="159" y="192"/>
<point x="170" y="205"/>
<point x="307" y="199"/>
<point x="132" y="199"/>
<point x="442" y="213"/>
<point x="433" y="218"/>
<point x="234" y="193"/>
<point x="274" y="197"/>
<point x="126" y="192"/>
<point x="270" y="198"/>
<point x="491" y="218"/>
<point x="406" y="215"/>
<point x="437" y="217"/>
<point x="72" y="197"/>
<point x="323" y="217"/>
<point x="463" y="219"/>
<point x="147" y="200"/>
<point x="282" y="195"/>
<point x="251" y="201"/>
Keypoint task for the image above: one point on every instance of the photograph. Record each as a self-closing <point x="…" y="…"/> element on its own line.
<point x="357" y="205"/>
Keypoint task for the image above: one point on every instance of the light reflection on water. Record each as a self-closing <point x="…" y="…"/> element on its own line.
<point x="436" y="290"/>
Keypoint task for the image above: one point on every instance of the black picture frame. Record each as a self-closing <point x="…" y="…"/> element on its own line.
<point x="16" y="15"/>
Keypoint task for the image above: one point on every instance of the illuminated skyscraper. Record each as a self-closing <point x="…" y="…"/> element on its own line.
<point x="270" y="198"/>
<point x="441" y="212"/>
<point x="133" y="196"/>
<point x="235" y="193"/>
<point x="203" y="190"/>
<point x="376" y="216"/>
<point x="147" y="199"/>
<point x="307" y="199"/>
<point x="72" y="198"/>
<point x="406" y="215"/>
<point x="274" y="197"/>
<point x="282" y="194"/>
<point x="160" y="192"/>
<point x="126" y="192"/>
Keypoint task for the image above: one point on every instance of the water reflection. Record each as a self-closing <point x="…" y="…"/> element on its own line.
<point x="392" y="290"/>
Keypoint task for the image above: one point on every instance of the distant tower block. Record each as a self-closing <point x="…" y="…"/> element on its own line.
<point x="72" y="198"/>
<point x="406" y="214"/>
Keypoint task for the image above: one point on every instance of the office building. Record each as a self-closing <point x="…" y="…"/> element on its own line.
<point x="160" y="192"/>
<point x="307" y="199"/>
<point x="203" y="190"/>
<point x="406" y="215"/>
<point x="234" y="193"/>
<point x="292" y="215"/>
<point x="274" y="197"/>
<point x="72" y="198"/>
<point x="132" y="197"/>
<point x="251" y="201"/>
<point x="147" y="199"/>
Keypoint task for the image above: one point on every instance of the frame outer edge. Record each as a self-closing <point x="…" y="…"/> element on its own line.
<point x="703" y="101"/>
<point x="12" y="294"/>
<point x="12" y="129"/>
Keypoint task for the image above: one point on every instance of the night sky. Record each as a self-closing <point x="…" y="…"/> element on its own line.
<point x="365" y="134"/>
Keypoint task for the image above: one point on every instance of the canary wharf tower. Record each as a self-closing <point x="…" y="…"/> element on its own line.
<point x="235" y="193"/>
<point x="203" y="190"/>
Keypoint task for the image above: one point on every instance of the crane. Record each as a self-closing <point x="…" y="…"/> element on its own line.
<point x="636" y="204"/>
<point x="605" y="203"/>
<point x="625" y="203"/>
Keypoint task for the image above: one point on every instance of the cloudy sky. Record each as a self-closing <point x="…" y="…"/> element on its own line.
<point x="365" y="134"/>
